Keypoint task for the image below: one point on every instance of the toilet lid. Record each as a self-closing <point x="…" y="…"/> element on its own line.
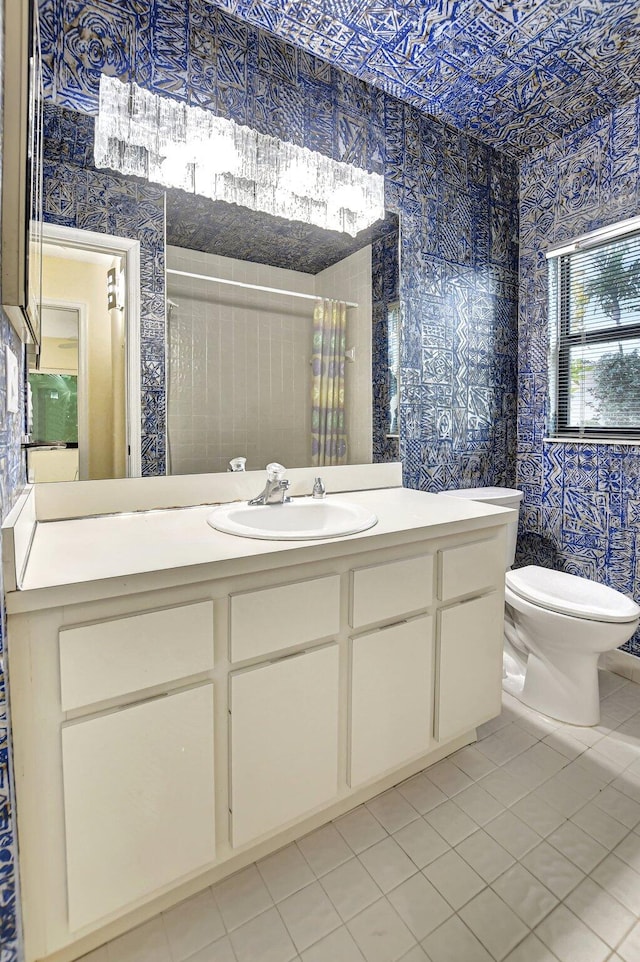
<point x="571" y="595"/>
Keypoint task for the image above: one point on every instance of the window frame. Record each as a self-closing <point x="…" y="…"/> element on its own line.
<point x="566" y="340"/>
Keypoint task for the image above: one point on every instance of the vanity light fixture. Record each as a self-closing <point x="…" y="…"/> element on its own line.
<point x="141" y="133"/>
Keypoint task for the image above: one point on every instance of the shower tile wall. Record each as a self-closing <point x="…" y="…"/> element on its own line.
<point x="239" y="379"/>
<point x="581" y="501"/>
<point x="239" y="373"/>
<point x="350" y="280"/>
<point x="457" y="200"/>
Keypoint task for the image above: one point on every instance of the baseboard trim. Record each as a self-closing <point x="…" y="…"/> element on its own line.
<point x="621" y="663"/>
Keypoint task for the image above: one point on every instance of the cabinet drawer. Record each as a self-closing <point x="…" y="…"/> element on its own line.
<point x="471" y="567"/>
<point x="139" y="801"/>
<point x="271" y="619"/>
<point x="469" y="665"/>
<point x="111" y="658"/>
<point x="388" y="590"/>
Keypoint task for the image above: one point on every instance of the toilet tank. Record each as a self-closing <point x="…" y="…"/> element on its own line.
<point x="505" y="498"/>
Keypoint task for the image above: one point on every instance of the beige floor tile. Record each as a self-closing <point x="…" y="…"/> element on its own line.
<point x="380" y="933"/>
<point x="360" y="829"/>
<point x="420" y="906"/>
<point x="192" y="924"/>
<point x="454" y="879"/>
<point x="421" y="842"/>
<point x="285" y="872"/>
<point x="600" y="911"/>
<point x="528" y="897"/>
<point x="387" y="864"/>
<point x="350" y="888"/>
<point x="454" y="942"/>
<point x="570" y="939"/>
<point x="493" y="923"/>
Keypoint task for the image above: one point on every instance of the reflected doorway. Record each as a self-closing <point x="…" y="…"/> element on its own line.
<point x="57" y="397"/>
<point x="85" y="389"/>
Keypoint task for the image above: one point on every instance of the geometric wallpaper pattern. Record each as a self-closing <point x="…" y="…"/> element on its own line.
<point x="385" y="289"/>
<point x="456" y="197"/>
<point x="581" y="509"/>
<point x="515" y="75"/>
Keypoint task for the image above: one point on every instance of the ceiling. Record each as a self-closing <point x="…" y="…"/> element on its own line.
<point x="514" y="73"/>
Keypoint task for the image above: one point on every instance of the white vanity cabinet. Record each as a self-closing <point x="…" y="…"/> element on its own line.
<point x="168" y="734"/>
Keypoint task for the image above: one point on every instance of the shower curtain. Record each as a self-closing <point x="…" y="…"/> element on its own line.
<point x="328" y="432"/>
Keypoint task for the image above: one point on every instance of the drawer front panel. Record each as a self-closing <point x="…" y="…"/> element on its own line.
<point x="271" y="619"/>
<point x="471" y="567"/>
<point x="391" y="695"/>
<point x="469" y="665"/>
<point x="283" y="741"/>
<point x="388" y="590"/>
<point x="139" y="801"/>
<point x="112" y="658"/>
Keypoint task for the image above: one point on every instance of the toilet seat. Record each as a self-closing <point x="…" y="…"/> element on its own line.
<point x="571" y="595"/>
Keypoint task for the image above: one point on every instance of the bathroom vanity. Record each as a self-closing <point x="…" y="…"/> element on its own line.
<point x="185" y="701"/>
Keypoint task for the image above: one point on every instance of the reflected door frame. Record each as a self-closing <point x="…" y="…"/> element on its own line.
<point x="129" y="251"/>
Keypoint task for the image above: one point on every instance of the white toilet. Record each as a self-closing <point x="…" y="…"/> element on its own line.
<point x="556" y="627"/>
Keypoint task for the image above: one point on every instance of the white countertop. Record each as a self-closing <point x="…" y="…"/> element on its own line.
<point x="99" y="557"/>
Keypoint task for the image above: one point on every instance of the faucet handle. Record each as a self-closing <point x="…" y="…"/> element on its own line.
<point x="319" y="490"/>
<point x="275" y="471"/>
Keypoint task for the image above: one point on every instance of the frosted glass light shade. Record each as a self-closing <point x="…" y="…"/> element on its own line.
<point x="140" y="133"/>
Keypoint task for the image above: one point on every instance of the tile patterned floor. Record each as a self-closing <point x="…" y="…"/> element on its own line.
<point x="524" y="847"/>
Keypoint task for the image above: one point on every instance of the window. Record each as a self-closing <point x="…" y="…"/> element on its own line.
<point x="594" y="312"/>
<point x="55" y="407"/>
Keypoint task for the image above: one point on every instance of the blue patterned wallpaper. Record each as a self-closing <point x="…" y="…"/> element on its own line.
<point x="385" y="289"/>
<point x="581" y="508"/>
<point x="514" y="74"/>
<point x="457" y="199"/>
<point x="78" y="195"/>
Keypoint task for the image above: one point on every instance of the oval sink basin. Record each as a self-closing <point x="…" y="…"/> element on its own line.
<point x="302" y="519"/>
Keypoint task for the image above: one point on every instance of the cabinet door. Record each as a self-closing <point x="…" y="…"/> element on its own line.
<point x="139" y="801"/>
<point x="469" y="665"/>
<point x="284" y="741"/>
<point x="391" y="697"/>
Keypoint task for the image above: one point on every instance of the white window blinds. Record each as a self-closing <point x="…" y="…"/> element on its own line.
<point x="594" y="311"/>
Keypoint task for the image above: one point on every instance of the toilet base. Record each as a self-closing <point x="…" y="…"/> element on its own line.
<point x="568" y="693"/>
<point x="559" y="682"/>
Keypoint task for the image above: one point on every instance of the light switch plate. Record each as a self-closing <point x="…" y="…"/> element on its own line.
<point x="13" y="387"/>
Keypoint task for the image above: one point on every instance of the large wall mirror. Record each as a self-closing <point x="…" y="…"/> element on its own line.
<point x="219" y="349"/>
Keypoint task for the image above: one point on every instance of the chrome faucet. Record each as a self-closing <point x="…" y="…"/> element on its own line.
<point x="275" y="490"/>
